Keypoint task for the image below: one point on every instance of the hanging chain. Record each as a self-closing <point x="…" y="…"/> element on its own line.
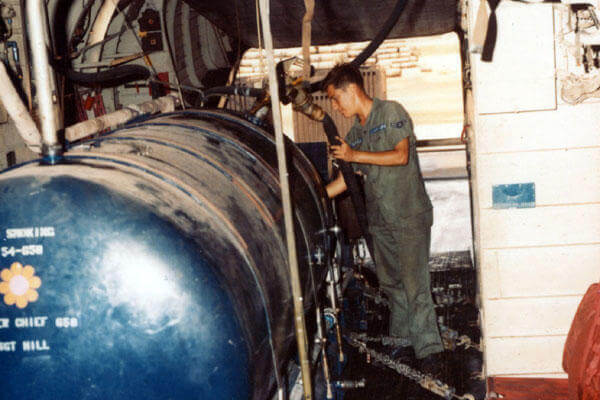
<point x="384" y="340"/>
<point x="450" y="338"/>
<point x="426" y="381"/>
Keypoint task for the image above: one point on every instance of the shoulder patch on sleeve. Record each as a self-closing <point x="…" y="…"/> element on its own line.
<point x="398" y="124"/>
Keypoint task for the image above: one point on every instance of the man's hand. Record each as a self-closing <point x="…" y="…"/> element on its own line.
<point x="342" y="151"/>
<point x="396" y="156"/>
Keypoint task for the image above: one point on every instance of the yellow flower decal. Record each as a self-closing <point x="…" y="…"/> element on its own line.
<point x="18" y="285"/>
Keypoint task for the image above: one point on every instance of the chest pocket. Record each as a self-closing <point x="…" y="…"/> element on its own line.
<point x="374" y="136"/>
<point x="374" y="141"/>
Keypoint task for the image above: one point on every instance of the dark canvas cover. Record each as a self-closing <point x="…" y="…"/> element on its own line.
<point x="334" y="21"/>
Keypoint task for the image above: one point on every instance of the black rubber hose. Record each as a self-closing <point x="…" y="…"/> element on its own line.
<point x="352" y="184"/>
<point x="370" y="49"/>
<point x="234" y="90"/>
<point x="112" y="77"/>
<point x="383" y="33"/>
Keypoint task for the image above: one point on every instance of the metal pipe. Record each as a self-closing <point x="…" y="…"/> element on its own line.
<point x="18" y="112"/>
<point x="301" y="338"/>
<point x="333" y="280"/>
<point x="440" y="142"/>
<point x="44" y="79"/>
<point x="322" y="340"/>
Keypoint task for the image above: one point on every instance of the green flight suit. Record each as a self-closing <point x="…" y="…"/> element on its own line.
<point x="400" y="218"/>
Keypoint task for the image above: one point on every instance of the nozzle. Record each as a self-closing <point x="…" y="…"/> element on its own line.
<point x="302" y="101"/>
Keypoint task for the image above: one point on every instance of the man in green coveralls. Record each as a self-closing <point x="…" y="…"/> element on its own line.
<point x="381" y="146"/>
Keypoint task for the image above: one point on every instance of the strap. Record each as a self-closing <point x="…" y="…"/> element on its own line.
<point x="480" y="29"/>
<point x="492" y="33"/>
<point x="306" y="32"/>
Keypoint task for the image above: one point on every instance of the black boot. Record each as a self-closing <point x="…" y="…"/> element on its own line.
<point x="403" y="354"/>
<point x="432" y="365"/>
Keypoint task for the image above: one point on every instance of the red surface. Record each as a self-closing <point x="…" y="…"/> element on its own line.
<point x="581" y="357"/>
<point x="163" y="77"/>
<point x="528" y="388"/>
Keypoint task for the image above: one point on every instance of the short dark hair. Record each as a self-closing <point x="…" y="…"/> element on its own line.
<point x="342" y="75"/>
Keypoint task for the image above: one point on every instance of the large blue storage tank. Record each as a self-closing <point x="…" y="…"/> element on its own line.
<point x="151" y="264"/>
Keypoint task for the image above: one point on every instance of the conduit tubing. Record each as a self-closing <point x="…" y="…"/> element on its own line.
<point x="100" y="27"/>
<point x="44" y="79"/>
<point x="301" y="337"/>
<point x="18" y="112"/>
<point x="112" y="120"/>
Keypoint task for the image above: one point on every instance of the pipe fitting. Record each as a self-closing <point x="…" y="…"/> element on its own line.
<point x="302" y="101"/>
<point x="51" y="153"/>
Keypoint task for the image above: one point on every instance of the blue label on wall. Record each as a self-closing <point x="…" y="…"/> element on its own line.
<point x="514" y="195"/>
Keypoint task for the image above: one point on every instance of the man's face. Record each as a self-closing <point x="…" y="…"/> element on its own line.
<point x="342" y="100"/>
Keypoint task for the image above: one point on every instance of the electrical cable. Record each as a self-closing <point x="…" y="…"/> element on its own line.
<point x="84" y="16"/>
<point x="233" y="90"/>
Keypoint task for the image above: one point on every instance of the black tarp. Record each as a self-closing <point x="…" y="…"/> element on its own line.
<point x="334" y="21"/>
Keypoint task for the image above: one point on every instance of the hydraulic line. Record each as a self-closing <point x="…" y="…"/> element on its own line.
<point x="234" y="90"/>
